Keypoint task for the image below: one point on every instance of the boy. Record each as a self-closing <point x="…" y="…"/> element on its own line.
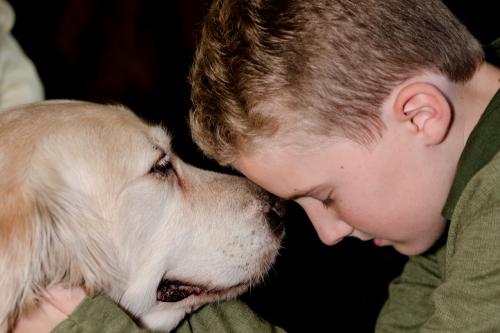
<point x="382" y="120"/>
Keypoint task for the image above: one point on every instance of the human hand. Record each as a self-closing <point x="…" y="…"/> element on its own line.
<point x="55" y="305"/>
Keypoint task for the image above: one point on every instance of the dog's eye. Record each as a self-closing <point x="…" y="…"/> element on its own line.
<point x="162" y="167"/>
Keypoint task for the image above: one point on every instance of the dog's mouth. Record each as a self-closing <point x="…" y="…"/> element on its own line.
<point x="175" y="291"/>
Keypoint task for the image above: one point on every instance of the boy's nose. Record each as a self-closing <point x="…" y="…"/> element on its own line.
<point x="332" y="231"/>
<point x="329" y="227"/>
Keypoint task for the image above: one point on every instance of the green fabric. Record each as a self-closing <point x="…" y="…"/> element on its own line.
<point x="483" y="143"/>
<point x="456" y="287"/>
<point x="100" y="314"/>
<point x="409" y="304"/>
<point x="226" y="317"/>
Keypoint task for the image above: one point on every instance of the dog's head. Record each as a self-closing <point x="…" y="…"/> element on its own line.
<point x="92" y="196"/>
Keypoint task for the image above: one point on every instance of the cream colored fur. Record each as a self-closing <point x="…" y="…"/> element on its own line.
<point x="79" y="206"/>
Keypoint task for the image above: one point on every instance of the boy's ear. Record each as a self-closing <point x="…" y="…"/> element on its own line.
<point x="425" y="110"/>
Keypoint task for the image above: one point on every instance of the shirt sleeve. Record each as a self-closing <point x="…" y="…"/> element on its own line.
<point x="100" y="314"/>
<point x="226" y="317"/>
<point x="469" y="298"/>
<point x="409" y="304"/>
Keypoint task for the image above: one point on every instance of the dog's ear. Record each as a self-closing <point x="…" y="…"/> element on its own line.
<point x="16" y="225"/>
<point x="80" y="236"/>
<point x="49" y="236"/>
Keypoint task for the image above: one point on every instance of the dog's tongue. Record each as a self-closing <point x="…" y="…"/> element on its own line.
<point x="175" y="291"/>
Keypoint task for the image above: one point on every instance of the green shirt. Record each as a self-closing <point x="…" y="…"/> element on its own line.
<point x="100" y="314"/>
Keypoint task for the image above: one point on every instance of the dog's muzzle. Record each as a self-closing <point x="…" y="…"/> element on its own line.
<point x="168" y="290"/>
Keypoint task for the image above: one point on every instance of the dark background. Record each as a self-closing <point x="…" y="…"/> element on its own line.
<point x="138" y="53"/>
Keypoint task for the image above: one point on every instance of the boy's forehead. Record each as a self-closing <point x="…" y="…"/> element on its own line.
<point x="285" y="149"/>
<point x="266" y="168"/>
<point x="285" y="171"/>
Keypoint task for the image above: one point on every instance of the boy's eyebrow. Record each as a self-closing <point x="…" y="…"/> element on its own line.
<point x="314" y="191"/>
<point x="301" y="194"/>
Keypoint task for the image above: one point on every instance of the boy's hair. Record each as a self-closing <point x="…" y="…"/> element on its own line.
<point x="325" y="67"/>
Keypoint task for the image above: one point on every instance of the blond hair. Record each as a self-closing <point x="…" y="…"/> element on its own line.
<point x="322" y="66"/>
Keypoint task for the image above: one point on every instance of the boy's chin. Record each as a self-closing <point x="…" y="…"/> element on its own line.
<point x="411" y="249"/>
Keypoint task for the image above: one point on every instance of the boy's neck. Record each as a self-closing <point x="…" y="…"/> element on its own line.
<point x="473" y="97"/>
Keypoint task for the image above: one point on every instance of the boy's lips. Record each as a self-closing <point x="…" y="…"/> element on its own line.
<point x="380" y="242"/>
<point x="360" y="235"/>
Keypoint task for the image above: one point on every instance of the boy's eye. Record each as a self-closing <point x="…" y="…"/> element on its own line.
<point x="163" y="167"/>
<point x="328" y="201"/>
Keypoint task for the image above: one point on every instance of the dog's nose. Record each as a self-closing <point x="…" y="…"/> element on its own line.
<point x="275" y="212"/>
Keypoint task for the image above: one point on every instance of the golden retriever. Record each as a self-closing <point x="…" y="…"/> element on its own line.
<point x="92" y="196"/>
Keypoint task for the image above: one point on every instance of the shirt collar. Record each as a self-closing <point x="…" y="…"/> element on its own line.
<point x="482" y="144"/>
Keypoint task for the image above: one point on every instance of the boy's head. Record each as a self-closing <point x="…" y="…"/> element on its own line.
<point x="291" y="93"/>
<point x="272" y="68"/>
